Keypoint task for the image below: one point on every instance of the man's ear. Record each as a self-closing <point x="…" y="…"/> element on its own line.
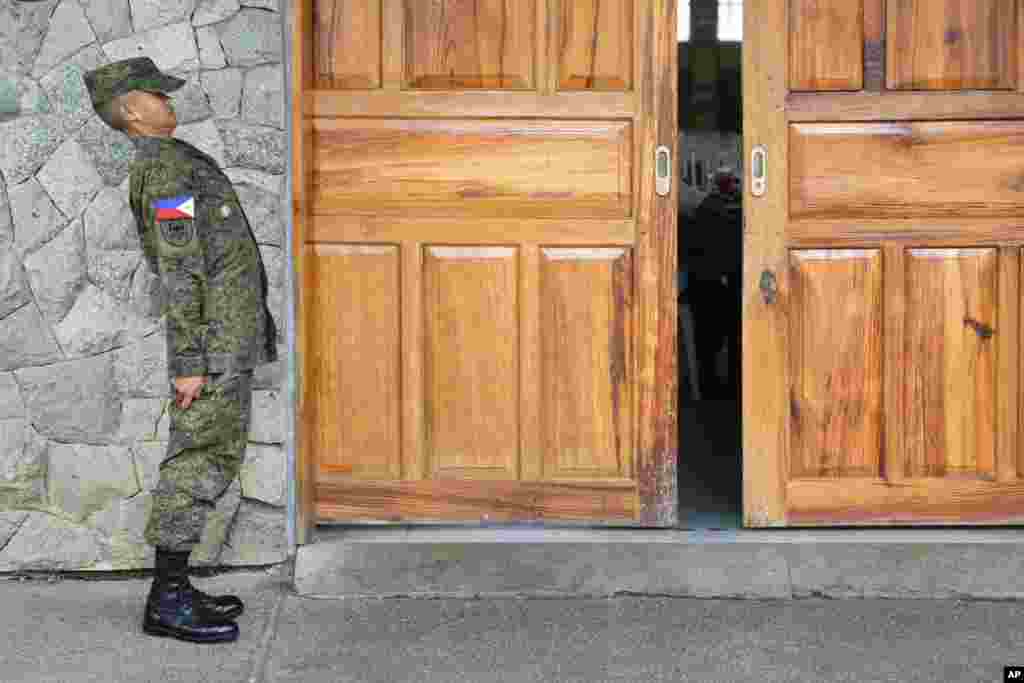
<point x="127" y="105"/>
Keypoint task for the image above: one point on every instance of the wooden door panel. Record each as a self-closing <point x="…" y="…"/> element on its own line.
<point x="354" y="392"/>
<point x="527" y="169"/>
<point x="907" y="169"/>
<point x="470" y="311"/>
<point x="596" y="45"/>
<point x="949" y="425"/>
<point x="836" y="363"/>
<point x="952" y="45"/>
<point x="347" y="48"/>
<point x="461" y="44"/>
<point x="585" y="368"/>
<point x="469" y="231"/>
<point x="826" y="44"/>
<point x="485" y="256"/>
<point x="882" y="364"/>
<point x="340" y="497"/>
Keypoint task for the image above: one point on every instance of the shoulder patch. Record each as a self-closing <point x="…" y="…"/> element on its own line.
<point x="175" y="208"/>
<point x="178" y="233"/>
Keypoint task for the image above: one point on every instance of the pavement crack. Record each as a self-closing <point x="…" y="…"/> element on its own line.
<point x="262" y="656"/>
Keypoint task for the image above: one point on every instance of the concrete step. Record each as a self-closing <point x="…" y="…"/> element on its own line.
<point x="509" y="561"/>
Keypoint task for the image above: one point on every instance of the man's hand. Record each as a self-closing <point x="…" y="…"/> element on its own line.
<point x="187" y="389"/>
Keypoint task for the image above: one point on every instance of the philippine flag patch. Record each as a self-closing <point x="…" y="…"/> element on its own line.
<point x="175" y="208"/>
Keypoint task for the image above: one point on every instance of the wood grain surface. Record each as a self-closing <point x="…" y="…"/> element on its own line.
<point x="952" y="45"/>
<point x="826" y="40"/>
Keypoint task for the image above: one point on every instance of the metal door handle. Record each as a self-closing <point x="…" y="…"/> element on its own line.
<point x="759" y="171"/>
<point x="663" y="171"/>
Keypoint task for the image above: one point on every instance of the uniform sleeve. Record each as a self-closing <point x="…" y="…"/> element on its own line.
<point x="168" y="203"/>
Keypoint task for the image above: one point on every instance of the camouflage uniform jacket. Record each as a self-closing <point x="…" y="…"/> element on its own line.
<point x="198" y="241"/>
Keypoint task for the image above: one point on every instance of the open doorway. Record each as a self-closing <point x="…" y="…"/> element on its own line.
<point x="710" y="263"/>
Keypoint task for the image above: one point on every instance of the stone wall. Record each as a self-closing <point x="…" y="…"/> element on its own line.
<point x="83" y="382"/>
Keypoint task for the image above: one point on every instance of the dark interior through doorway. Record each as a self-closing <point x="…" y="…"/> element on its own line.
<point x="710" y="479"/>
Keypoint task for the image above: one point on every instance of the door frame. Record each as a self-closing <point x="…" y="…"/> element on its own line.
<point x="657" y="357"/>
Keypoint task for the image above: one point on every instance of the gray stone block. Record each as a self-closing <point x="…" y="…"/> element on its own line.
<point x="172" y="47"/>
<point x="26" y="340"/>
<point x="263" y="100"/>
<point x="147" y="456"/>
<point x="26" y="143"/>
<point x="128" y="547"/>
<point x="9" y="523"/>
<point x="206" y="137"/>
<point x="271" y="375"/>
<point x="74" y="401"/>
<point x="147" y="292"/>
<point x="212" y="11"/>
<point x="11" y="405"/>
<point x="110" y="19"/>
<point x="271" y="184"/>
<point x="140" y="368"/>
<point x="36" y="218"/>
<point x="190" y="103"/>
<point x="70" y="179"/>
<point x="98" y="323"/>
<point x="273" y="5"/>
<point x="110" y="224"/>
<point x="65" y="88"/>
<point x="23" y="465"/>
<point x="267" y="417"/>
<point x="256" y="147"/>
<point x="273" y="261"/>
<point x="68" y="33"/>
<point x="113" y="272"/>
<point x="263" y="474"/>
<point x="83" y="479"/>
<point x="251" y="37"/>
<point x="110" y="151"/>
<point x="224" y="90"/>
<point x="263" y="211"/>
<point x="23" y="26"/>
<point x="22" y="96"/>
<point x="140" y="418"/>
<point x="56" y="272"/>
<point x="45" y="542"/>
<point x="211" y="52"/>
<point x="257" y="536"/>
<point x="147" y="14"/>
<point x="113" y="250"/>
<point x="6" y="222"/>
<point x="14" y="291"/>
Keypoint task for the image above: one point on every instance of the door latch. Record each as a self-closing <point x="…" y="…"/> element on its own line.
<point x="769" y="287"/>
<point x="984" y="331"/>
<point x="663" y="171"/>
<point x="759" y="170"/>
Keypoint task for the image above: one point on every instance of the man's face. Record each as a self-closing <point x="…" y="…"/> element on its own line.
<point x="153" y="109"/>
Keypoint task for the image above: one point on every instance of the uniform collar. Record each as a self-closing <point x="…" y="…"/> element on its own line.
<point x="150" y="146"/>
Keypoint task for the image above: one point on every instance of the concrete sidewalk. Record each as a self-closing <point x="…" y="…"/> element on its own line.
<point x="86" y="630"/>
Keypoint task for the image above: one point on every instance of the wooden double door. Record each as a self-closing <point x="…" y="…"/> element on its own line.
<point x="487" y="315"/>
<point x="882" y="265"/>
<point x="487" y="273"/>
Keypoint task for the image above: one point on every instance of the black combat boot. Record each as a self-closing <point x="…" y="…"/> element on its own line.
<point x="221" y="607"/>
<point x="173" y="609"/>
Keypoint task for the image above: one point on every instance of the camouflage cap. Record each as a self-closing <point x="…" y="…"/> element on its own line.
<point x="139" y="73"/>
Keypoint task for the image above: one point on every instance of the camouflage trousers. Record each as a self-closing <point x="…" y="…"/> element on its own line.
<point x="204" y="455"/>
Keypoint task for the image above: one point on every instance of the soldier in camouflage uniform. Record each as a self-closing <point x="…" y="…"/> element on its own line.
<point x="197" y="239"/>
